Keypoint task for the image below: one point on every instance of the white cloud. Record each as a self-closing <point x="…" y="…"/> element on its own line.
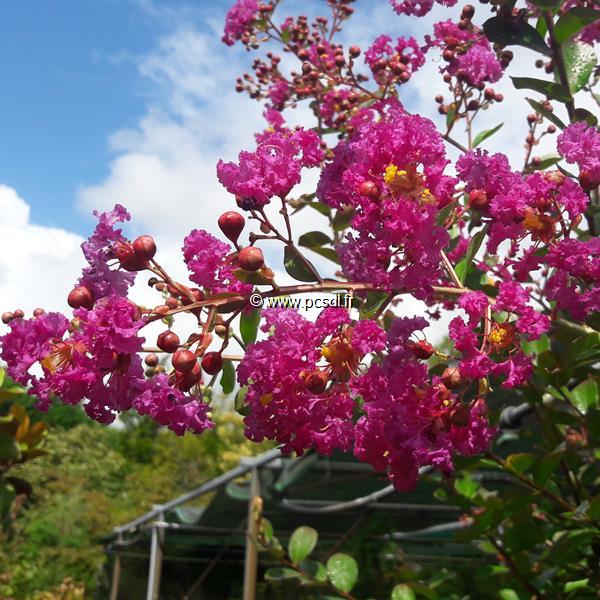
<point x="38" y="265"/>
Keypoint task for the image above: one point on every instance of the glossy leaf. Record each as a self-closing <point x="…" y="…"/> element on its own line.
<point x="548" y="88"/>
<point x="580" y="60"/>
<point x="585" y="395"/>
<point x="573" y="21"/>
<point x="240" y="405"/>
<point x="315" y="569"/>
<point x="520" y="462"/>
<point x="302" y="543"/>
<point x="508" y="594"/>
<point x="581" y="114"/>
<point x="546" y="161"/>
<point x="580" y="584"/>
<point x="328" y="253"/>
<point x="342" y="218"/>
<point x="249" y="322"/>
<point x="403" y="592"/>
<point x="228" y="377"/>
<point x="373" y="302"/>
<point x="466" y="486"/>
<point x="542" y="110"/>
<point x="462" y="268"/>
<point x="445" y="212"/>
<point x="254" y="277"/>
<point x="516" y="32"/>
<point x="484" y="135"/>
<point x="9" y="449"/>
<point x="342" y="571"/>
<point x="296" y="266"/>
<point x="281" y="574"/>
<point x="314" y="238"/>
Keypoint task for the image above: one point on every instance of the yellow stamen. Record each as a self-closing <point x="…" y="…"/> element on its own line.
<point x="266" y="399"/>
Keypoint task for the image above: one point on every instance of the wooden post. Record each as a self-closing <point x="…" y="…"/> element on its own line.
<point x="116" y="577"/>
<point x="251" y="559"/>
<point x="155" y="566"/>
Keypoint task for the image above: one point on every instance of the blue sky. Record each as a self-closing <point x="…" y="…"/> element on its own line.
<point x="69" y="79"/>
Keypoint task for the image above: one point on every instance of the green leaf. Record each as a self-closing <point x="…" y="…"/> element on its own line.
<point x="314" y="238"/>
<point x="585" y="395"/>
<point x="466" y="486"/>
<point x="594" y="508"/>
<point x="403" y="592"/>
<point x="228" y="377"/>
<point x="546" y="161"/>
<point x="373" y="303"/>
<point x="484" y="135"/>
<point x="450" y="115"/>
<point x="540" y="108"/>
<point x="9" y="449"/>
<point x="240" y="401"/>
<point x="342" y="571"/>
<point x="315" y="569"/>
<point x="249" y="322"/>
<point x="302" y="543"/>
<point x="520" y="462"/>
<point x="548" y="88"/>
<point x="281" y="574"/>
<point x="508" y="594"/>
<point x="517" y="32"/>
<point x="580" y="60"/>
<point x="320" y="208"/>
<point x="542" y="344"/>
<point x="580" y="584"/>
<point x="2" y="376"/>
<point x="462" y="268"/>
<point x="328" y="253"/>
<point x="295" y="265"/>
<point x="342" y="218"/>
<point x="573" y="21"/>
<point x="445" y="212"/>
<point x="252" y="277"/>
<point x="581" y="114"/>
<point x="543" y="469"/>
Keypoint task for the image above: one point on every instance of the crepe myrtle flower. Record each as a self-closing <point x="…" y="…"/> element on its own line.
<point x="298" y="377"/>
<point x="273" y="169"/>
<point x="410" y="421"/>
<point x="496" y="349"/>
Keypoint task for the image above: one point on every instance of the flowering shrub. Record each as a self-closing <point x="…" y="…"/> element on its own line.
<point x="513" y="251"/>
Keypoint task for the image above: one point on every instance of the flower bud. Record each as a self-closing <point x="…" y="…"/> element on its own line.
<point x="316" y="382"/>
<point x="231" y="223"/>
<point x="80" y="297"/>
<point x="38" y="312"/>
<point x="251" y="258"/>
<point x="452" y="378"/>
<point x="460" y="416"/>
<point x="421" y="349"/>
<point x="212" y="362"/>
<point x="183" y="361"/>
<point x="144" y="247"/>
<point x="18" y="314"/>
<point x="587" y="182"/>
<point x="7" y="317"/>
<point x="478" y="200"/>
<point x="168" y="341"/>
<point x="369" y="188"/>
<point x="127" y="257"/>
<point x="151" y="360"/>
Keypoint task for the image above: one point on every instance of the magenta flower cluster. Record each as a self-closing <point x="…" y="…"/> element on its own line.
<point x="514" y="253"/>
